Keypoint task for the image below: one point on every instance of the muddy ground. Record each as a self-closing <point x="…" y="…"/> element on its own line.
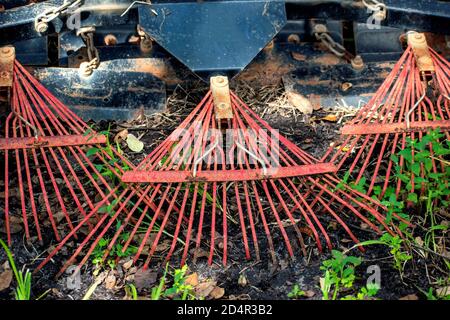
<point x="264" y="280"/>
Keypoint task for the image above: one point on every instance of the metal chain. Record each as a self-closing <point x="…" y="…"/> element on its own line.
<point x="321" y="33"/>
<point x="42" y="20"/>
<point x="378" y="8"/>
<point x="332" y="45"/>
<point x="87" y="34"/>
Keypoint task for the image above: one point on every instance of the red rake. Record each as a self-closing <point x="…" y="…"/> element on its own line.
<point x="413" y="100"/>
<point x="59" y="161"/>
<point x="258" y="180"/>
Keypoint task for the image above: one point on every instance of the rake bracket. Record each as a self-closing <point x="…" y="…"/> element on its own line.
<point x="419" y="45"/>
<point x="7" y="57"/>
<point x="221" y="95"/>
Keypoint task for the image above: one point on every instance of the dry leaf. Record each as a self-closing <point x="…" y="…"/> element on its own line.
<point x="122" y="135"/>
<point x="298" y="56"/>
<point x="217" y="293"/>
<point x="410" y="297"/>
<point x="144" y="278"/>
<point x="330" y="118"/>
<point x="127" y="265"/>
<point x="192" y="279"/>
<point x="309" y="293"/>
<point x="242" y="281"/>
<point x="346" y="86"/>
<point x="442" y="292"/>
<point x="300" y="102"/>
<point x="203" y="289"/>
<point x="5" y="279"/>
<point x="110" y="281"/>
<point x="134" y="143"/>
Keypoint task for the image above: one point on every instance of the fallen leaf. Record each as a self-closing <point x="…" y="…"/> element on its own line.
<point x="410" y="297"/>
<point x="110" y="281"/>
<point x="5" y="279"/>
<point x="217" y="293"/>
<point x="442" y="292"/>
<point x="309" y="293"/>
<point x="163" y="246"/>
<point x="144" y="278"/>
<point x="322" y="284"/>
<point x="192" y="279"/>
<point x="298" y="56"/>
<point x="330" y="118"/>
<point x="346" y="86"/>
<point x="122" y="135"/>
<point x="364" y="226"/>
<point x="127" y="265"/>
<point x="134" y="143"/>
<point x="242" y="281"/>
<point x="203" y="289"/>
<point x="300" y="102"/>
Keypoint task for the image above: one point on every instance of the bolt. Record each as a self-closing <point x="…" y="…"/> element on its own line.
<point x="357" y="63"/>
<point x="110" y="40"/>
<point x="41" y="26"/>
<point x="146" y="45"/>
<point x="220" y="81"/>
<point x="222" y="105"/>
<point x="4" y="74"/>
<point x="6" y="51"/>
<point x="293" y="38"/>
<point x="85" y="70"/>
<point x="269" y="47"/>
<point x="320" y="28"/>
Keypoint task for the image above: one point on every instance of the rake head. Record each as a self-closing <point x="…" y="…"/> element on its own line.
<point x="225" y="173"/>
<point x="62" y="167"/>
<point x="392" y="128"/>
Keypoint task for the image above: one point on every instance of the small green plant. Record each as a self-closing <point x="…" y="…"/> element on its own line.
<point x="396" y="245"/>
<point x="339" y="273"/>
<point x="116" y="251"/>
<point x="424" y="161"/>
<point x="367" y="292"/>
<point x="131" y="291"/>
<point x="179" y="289"/>
<point x="432" y="295"/>
<point x="23" y="289"/>
<point x="110" y="170"/>
<point x="296" y="292"/>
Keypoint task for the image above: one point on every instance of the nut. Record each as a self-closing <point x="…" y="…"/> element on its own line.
<point x="320" y="28"/>
<point x="110" y="40"/>
<point x="293" y="38"/>
<point x="146" y="45"/>
<point x="41" y="26"/>
<point x="6" y="52"/>
<point x="357" y="63"/>
<point x="85" y="70"/>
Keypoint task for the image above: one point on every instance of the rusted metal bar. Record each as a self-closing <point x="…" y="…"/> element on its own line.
<point x="227" y="175"/>
<point x="49" y="142"/>
<point x="387" y="128"/>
